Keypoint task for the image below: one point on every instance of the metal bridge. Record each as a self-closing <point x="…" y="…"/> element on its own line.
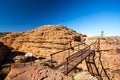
<point x="73" y="60"/>
<point x="87" y="53"/>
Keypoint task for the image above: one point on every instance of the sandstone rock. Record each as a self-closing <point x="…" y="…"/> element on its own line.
<point x="48" y="39"/>
<point x="84" y="76"/>
<point x="2" y="34"/>
<point x="109" y="47"/>
<point x="43" y="40"/>
<point x="19" y="58"/>
<point x="20" y="71"/>
<point x="9" y="38"/>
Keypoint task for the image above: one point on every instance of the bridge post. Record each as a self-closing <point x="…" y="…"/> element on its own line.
<point x="70" y="45"/>
<point x="51" y="60"/>
<point x="78" y="47"/>
<point x="68" y="52"/>
<point x="67" y="65"/>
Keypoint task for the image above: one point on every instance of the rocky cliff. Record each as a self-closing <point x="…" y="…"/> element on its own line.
<point x="48" y="39"/>
<point x="43" y="40"/>
<point x="107" y="59"/>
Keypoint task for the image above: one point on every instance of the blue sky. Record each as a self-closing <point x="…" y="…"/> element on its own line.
<point x="89" y="17"/>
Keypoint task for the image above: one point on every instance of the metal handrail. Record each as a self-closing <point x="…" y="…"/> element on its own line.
<point x="66" y="49"/>
<point x="62" y="51"/>
<point x="74" y="55"/>
<point x="82" y="52"/>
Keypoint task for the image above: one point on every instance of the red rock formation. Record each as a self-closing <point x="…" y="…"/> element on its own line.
<point x="43" y="40"/>
<point x="48" y="39"/>
<point x="10" y="38"/>
<point x="20" y="71"/>
<point x="110" y="57"/>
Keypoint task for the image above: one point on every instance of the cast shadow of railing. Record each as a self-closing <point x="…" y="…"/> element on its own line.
<point x="93" y="68"/>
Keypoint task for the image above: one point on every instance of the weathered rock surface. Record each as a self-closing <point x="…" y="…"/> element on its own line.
<point x="2" y="34"/>
<point x="28" y="71"/>
<point x="9" y="38"/>
<point x="84" y="76"/>
<point x="43" y="40"/>
<point x="48" y="39"/>
<point x="109" y="55"/>
<point x="4" y="50"/>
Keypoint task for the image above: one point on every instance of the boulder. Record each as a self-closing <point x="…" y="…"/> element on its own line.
<point x="35" y="71"/>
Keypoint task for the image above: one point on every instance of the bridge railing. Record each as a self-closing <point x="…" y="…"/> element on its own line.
<point x="81" y="54"/>
<point x="70" y="57"/>
<point x="53" y="54"/>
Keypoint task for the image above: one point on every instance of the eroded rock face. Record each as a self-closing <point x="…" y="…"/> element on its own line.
<point x="109" y="56"/>
<point x="4" y="50"/>
<point x="42" y="41"/>
<point x="84" y="76"/>
<point x="10" y="38"/>
<point x="20" y="71"/>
